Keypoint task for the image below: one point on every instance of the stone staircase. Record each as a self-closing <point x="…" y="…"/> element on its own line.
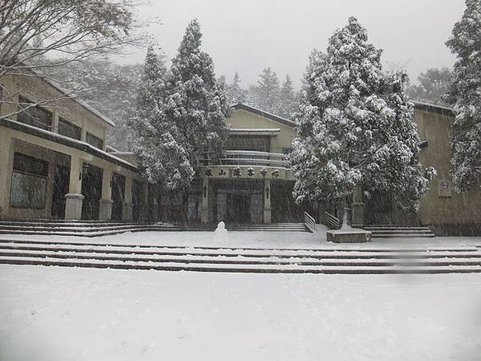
<point x="269" y="227"/>
<point x="358" y="260"/>
<point x="392" y="231"/>
<point x="81" y="228"/>
<point x="99" y="228"/>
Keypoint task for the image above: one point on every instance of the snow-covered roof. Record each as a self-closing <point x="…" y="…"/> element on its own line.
<point x="62" y="139"/>
<point x="84" y="104"/>
<point x="433" y="108"/>
<point x="262" y="113"/>
<point x="255" y="131"/>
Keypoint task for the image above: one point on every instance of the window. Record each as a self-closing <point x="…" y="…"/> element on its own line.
<point x="95" y="141"/>
<point x="68" y="129"/>
<point x="29" y="182"/>
<point x="256" y="143"/>
<point x="33" y="115"/>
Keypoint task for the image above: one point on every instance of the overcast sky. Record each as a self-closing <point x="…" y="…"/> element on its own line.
<point x="249" y="35"/>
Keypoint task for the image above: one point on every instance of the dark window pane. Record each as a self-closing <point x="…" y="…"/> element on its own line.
<point x="28" y="191"/>
<point x="259" y="143"/>
<point x="33" y="115"/>
<point x="29" y="182"/>
<point x="26" y="164"/>
<point x="68" y="129"/>
<point x="95" y="141"/>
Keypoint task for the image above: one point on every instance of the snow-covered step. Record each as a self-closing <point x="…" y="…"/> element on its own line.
<point x="242" y="260"/>
<point x="236" y="268"/>
<point x="391" y="231"/>
<point x="211" y="259"/>
<point x="269" y="227"/>
<point x="432" y="250"/>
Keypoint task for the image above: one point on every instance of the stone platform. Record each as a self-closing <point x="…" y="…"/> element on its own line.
<point x="348" y="235"/>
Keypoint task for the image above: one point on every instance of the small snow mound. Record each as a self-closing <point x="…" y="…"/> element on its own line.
<point x="221" y="232"/>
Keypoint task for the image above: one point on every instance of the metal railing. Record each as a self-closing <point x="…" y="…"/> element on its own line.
<point x="248" y="157"/>
<point x="331" y="221"/>
<point x="310" y="222"/>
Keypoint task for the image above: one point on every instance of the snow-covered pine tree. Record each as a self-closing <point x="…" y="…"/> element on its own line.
<point x="465" y="96"/>
<point x="234" y="91"/>
<point x="196" y="102"/>
<point x="355" y="127"/>
<point x="155" y="138"/>
<point x="288" y="101"/>
<point x="432" y="86"/>
<point x="265" y="95"/>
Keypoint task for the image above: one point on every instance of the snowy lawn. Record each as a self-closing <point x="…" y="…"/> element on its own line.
<point x="259" y="239"/>
<point x="58" y="314"/>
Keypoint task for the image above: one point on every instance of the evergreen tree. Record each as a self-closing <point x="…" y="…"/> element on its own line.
<point x="196" y="102"/>
<point x="265" y="95"/>
<point x="465" y="96"/>
<point x="355" y="126"/>
<point x="163" y="159"/>
<point x="234" y="92"/>
<point x="287" y="99"/>
<point x="432" y="86"/>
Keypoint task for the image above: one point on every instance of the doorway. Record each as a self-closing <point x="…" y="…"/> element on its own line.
<point x="238" y="207"/>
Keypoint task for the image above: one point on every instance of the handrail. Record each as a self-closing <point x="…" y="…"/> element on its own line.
<point x="255" y="153"/>
<point x="251" y="161"/>
<point x="331" y="221"/>
<point x="310" y="222"/>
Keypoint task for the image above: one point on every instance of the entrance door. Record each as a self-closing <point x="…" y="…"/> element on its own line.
<point x="92" y="191"/>
<point x="60" y="189"/>
<point x="238" y="205"/>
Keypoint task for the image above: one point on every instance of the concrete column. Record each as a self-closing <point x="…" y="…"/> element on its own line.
<point x="267" y="201"/>
<point x="357" y="218"/>
<point x="74" y="197"/>
<point x="55" y="122"/>
<point x="204" y="214"/>
<point x="105" y="203"/>
<point x="5" y="170"/>
<point x="127" y="206"/>
<point x="83" y="134"/>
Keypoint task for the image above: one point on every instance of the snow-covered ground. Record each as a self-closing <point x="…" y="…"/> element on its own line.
<point x="253" y="239"/>
<point x="50" y="314"/>
<point x="58" y="314"/>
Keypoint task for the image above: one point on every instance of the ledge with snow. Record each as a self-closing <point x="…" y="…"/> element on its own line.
<point x="348" y="235"/>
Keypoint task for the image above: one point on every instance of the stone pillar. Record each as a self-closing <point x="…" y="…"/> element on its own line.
<point x="204" y="214"/>
<point x="127" y="206"/>
<point x="5" y="170"/>
<point x="55" y="122"/>
<point x="267" y="201"/>
<point x="105" y="203"/>
<point x="357" y="218"/>
<point x="74" y="197"/>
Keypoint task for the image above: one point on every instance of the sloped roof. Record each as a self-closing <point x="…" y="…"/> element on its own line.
<point x="427" y="107"/>
<point x="84" y="104"/>
<point x="276" y="118"/>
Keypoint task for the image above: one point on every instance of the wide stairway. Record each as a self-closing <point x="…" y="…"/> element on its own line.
<point x="79" y="228"/>
<point x="268" y="227"/>
<point x="393" y="231"/>
<point x="98" y="228"/>
<point x="359" y="260"/>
